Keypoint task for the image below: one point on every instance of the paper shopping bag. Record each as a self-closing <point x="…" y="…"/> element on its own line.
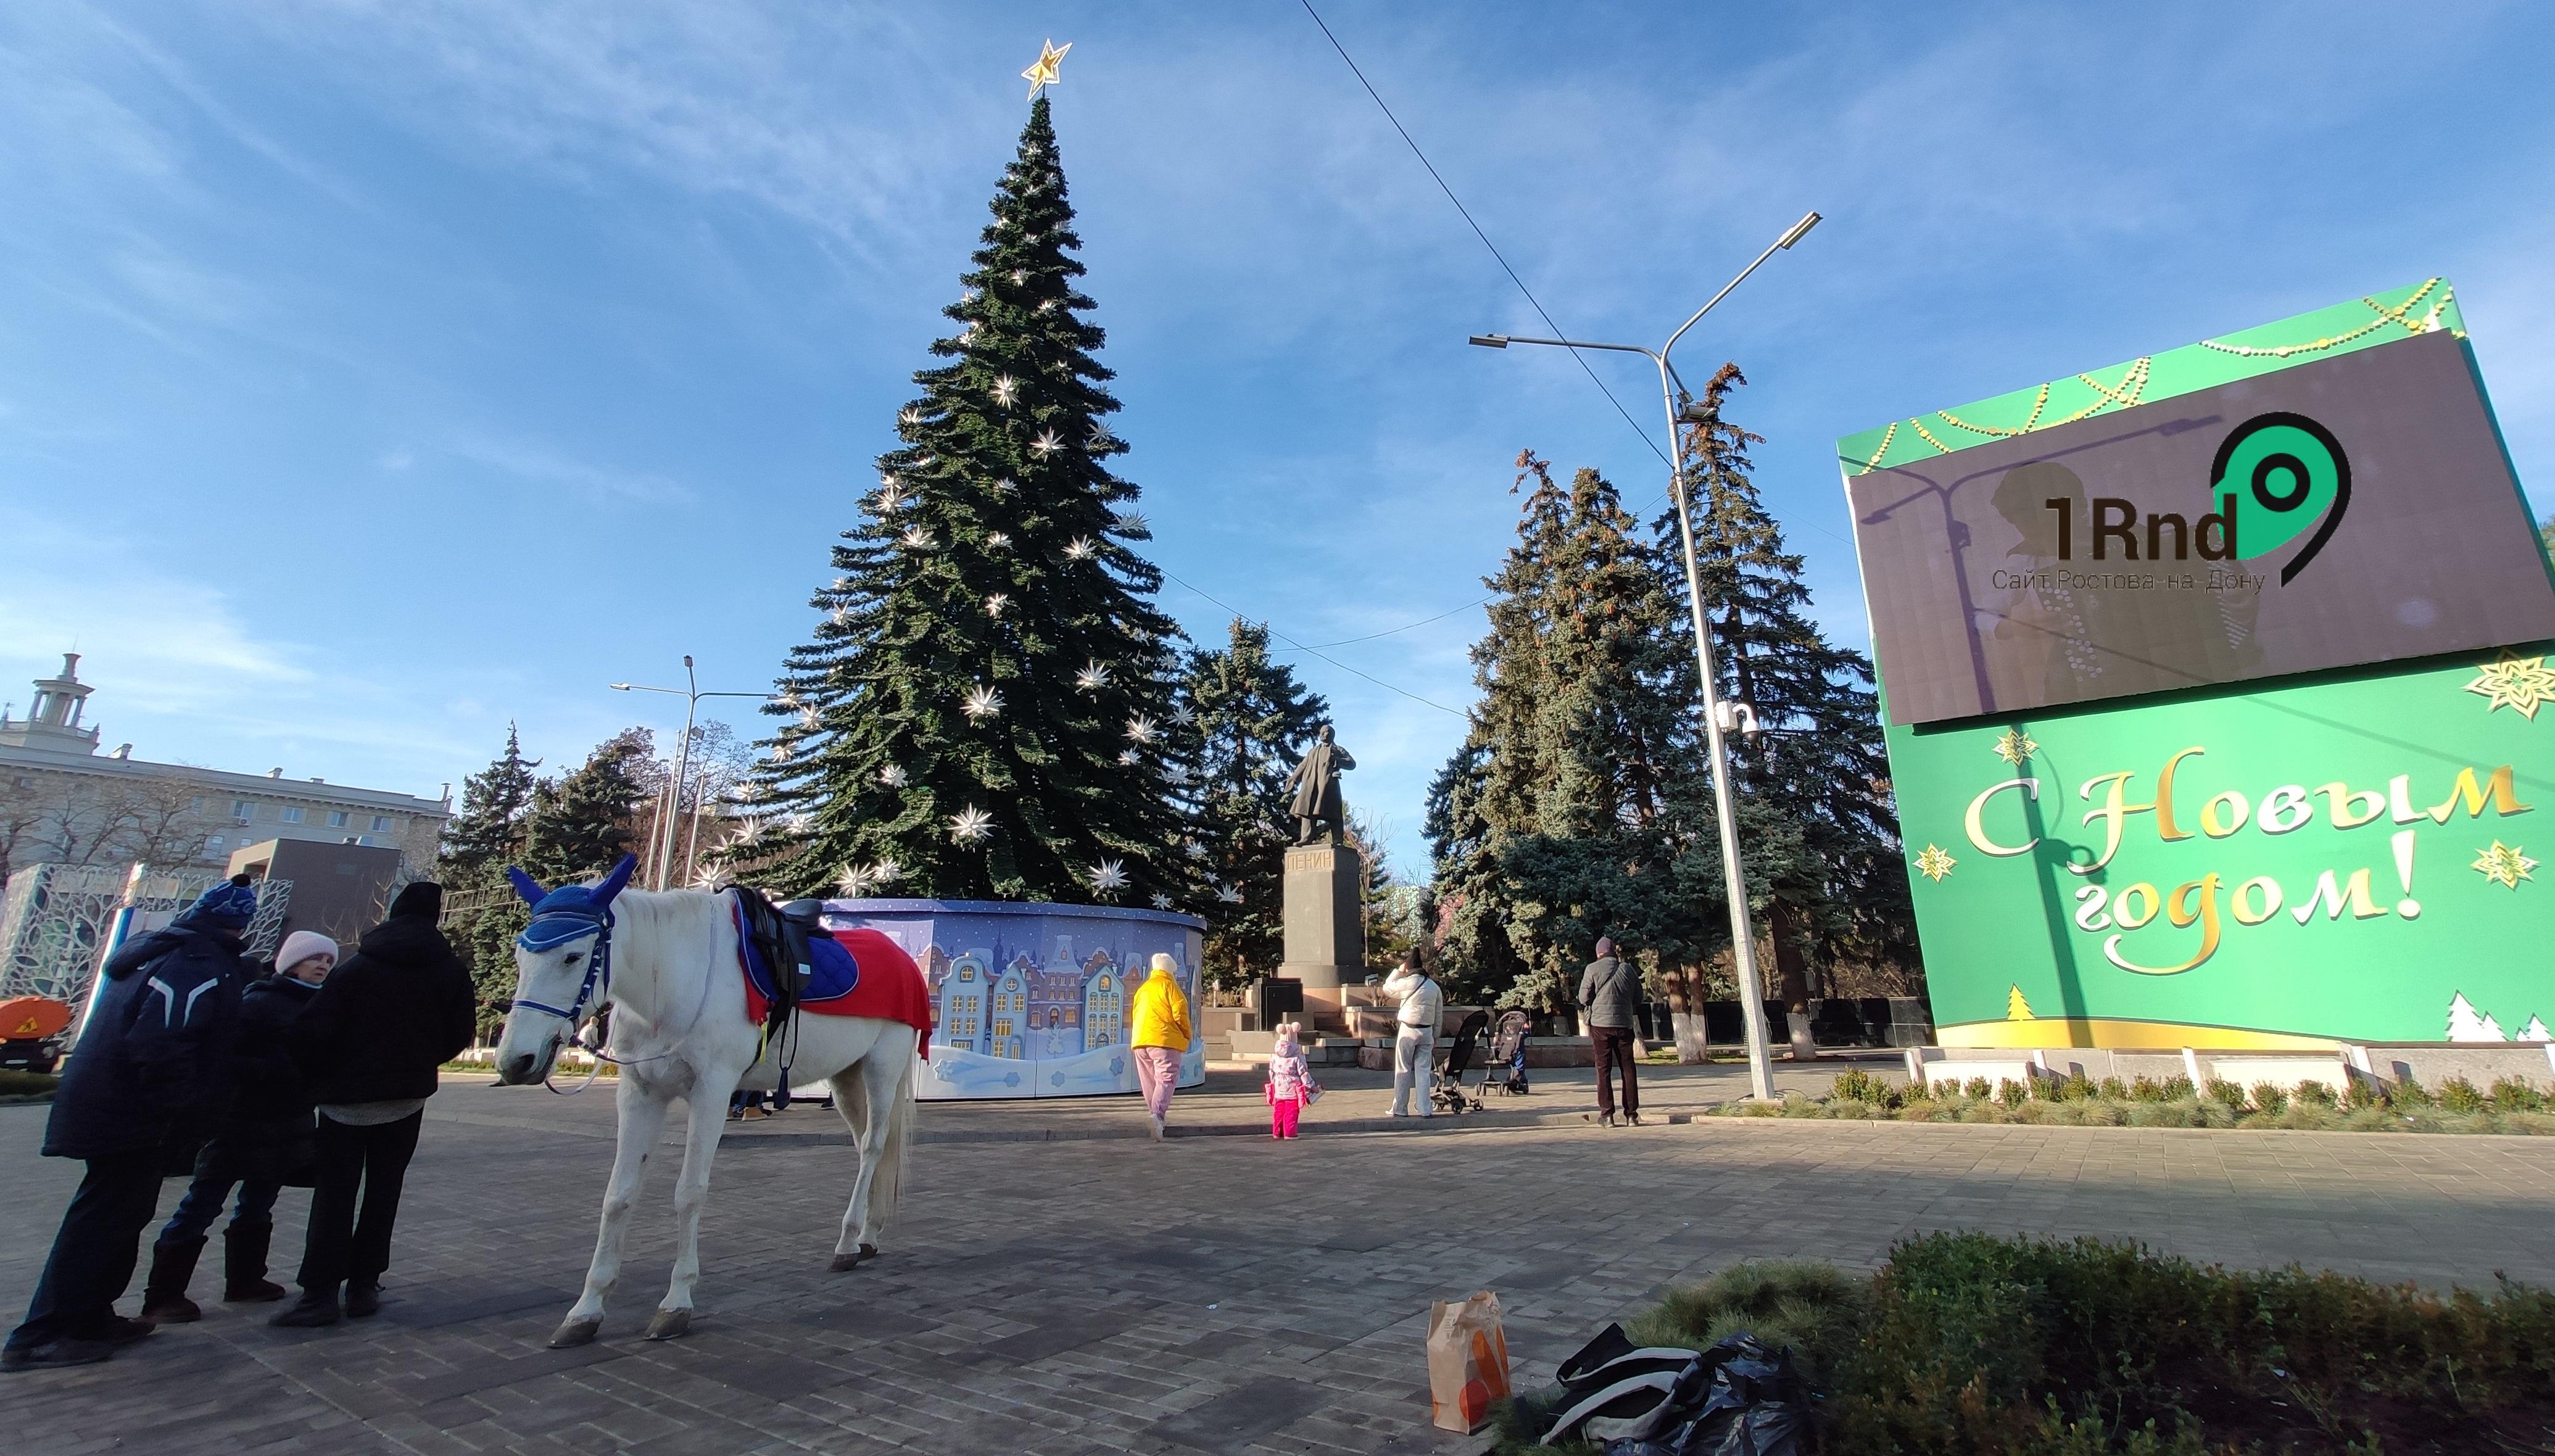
<point x="1468" y="1362"/>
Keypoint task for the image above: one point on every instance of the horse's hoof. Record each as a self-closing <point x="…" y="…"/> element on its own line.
<point x="670" y="1324"/>
<point x="574" y="1332"/>
<point x="868" y="1251"/>
<point x="843" y="1263"/>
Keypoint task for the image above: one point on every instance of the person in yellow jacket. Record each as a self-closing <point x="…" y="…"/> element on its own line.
<point x="1159" y="1018"/>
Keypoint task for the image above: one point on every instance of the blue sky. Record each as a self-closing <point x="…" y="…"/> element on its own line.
<point x="374" y="373"/>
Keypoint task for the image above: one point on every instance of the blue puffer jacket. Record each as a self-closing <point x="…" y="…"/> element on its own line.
<point x="151" y="1070"/>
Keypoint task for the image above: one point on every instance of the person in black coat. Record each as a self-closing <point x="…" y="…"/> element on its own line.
<point x="370" y="1044"/>
<point x="263" y="1144"/>
<point x="152" y="1060"/>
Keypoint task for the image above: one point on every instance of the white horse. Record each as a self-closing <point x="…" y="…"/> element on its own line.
<point x="667" y="964"/>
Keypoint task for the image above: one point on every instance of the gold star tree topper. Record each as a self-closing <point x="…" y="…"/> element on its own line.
<point x="1042" y="74"/>
<point x="1934" y="864"/>
<point x="2513" y="682"/>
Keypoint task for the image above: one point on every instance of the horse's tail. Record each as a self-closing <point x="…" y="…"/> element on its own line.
<point x="889" y="1183"/>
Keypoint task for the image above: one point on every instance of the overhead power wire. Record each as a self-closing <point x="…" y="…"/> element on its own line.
<point x="1503" y="261"/>
<point x="1407" y="626"/>
<point x="1334" y="662"/>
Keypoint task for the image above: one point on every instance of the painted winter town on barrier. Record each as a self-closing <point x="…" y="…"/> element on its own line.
<point x="1650" y="757"/>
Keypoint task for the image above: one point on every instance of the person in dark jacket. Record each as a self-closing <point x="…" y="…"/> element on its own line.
<point x="370" y="1044"/>
<point x="262" y="1145"/>
<point x="1609" y="993"/>
<point x="154" y="1055"/>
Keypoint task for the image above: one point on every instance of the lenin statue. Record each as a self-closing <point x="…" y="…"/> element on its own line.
<point x="1316" y="786"/>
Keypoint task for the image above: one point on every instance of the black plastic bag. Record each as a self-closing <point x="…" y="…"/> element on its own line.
<point x="1755" y="1405"/>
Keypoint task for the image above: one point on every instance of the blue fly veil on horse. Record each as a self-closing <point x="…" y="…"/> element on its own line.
<point x="572" y="912"/>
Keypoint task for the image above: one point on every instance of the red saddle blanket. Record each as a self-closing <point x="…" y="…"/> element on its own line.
<point x="859" y="973"/>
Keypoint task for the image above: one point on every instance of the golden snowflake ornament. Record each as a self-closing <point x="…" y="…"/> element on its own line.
<point x="2014" y="746"/>
<point x="2514" y="682"/>
<point x="1934" y="864"/>
<point x="2504" y="865"/>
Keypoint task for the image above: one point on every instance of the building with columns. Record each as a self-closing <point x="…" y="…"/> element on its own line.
<point x="61" y="801"/>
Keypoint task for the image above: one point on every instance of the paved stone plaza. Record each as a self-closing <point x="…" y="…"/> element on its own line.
<point x="1214" y="1293"/>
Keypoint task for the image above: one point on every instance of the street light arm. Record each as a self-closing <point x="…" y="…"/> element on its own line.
<point x="1506" y="339"/>
<point x="1792" y="235"/>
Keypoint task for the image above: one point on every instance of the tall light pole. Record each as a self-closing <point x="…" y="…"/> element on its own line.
<point x="691" y="695"/>
<point x="1719" y="718"/>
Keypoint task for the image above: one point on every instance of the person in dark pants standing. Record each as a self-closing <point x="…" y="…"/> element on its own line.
<point x="154" y="1056"/>
<point x="263" y="1146"/>
<point x="1609" y="993"/>
<point x="370" y="1043"/>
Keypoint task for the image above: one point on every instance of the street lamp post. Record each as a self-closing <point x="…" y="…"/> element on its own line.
<point x="691" y="695"/>
<point x="1718" y="718"/>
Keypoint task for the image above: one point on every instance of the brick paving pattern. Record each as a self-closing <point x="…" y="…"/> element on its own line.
<point x="1033" y="1297"/>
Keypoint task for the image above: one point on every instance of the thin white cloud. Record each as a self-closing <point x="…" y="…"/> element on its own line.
<point x="544" y="466"/>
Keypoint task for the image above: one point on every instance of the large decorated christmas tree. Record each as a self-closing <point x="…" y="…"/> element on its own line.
<point x="984" y="711"/>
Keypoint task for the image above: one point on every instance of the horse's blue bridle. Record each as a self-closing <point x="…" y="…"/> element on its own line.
<point x="558" y="927"/>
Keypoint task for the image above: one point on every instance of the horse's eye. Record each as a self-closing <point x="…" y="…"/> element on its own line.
<point x="572" y="957"/>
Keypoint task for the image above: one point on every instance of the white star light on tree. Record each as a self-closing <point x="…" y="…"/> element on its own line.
<point x="1141" y="728"/>
<point x="1046" y="443"/>
<point x="1193" y="850"/>
<point x="1046" y="306"/>
<point x="747" y="834"/>
<point x="995" y="604"/>
<point x="981" y="702"/>
<point x="926" y="462"/>
<point x="917" y="538"/>
<point x="800" y="823"/>
<point x="1129" y="759"/>
<point x="781" y="752"/>
<point x="1102" y="442"/>
<point x="1109" y="877"/>
<point x="908" y="417"/>
<point x="893" y="776"/>
<point x="971" y="824"/>
<point x="1007" y="390"/>
<point x="1161" y="901"/>
<point x="1003" y="486"/>
<point x="1131" y="523"/>
<point x="1080" y="548"/>
<point x="1092" y="678"/>
<point x="999" y="539"/>
<point x="854" y="881"/>
<point x="840" y="616"/>
<point x="891" y="497"/>
<point x="710" y="878"/>
<point x="807" y="717"/>
<point x="1229" y="895"/>
<point x="886" y="871"/>
<point x="1019" y="274"/>
<point x="1183" y="714"/>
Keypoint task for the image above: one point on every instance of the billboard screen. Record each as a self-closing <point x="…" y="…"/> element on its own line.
<point x="2306" y="814"/>
<point x="2347" y="510"/>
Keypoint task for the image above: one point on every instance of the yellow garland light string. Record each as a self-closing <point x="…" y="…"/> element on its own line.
<point x="2386" y="316"/>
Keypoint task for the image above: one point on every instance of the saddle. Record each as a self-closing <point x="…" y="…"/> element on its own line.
<point x="778" y="936"/>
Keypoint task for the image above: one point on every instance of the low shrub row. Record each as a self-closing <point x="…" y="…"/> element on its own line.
<point x="1971" y="1343"/>
<point x="18" y="1086"/>
<point x="2509" y="1106"/>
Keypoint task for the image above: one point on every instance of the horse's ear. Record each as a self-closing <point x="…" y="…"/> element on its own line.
<point x="614" y="883"/>
<point x="524" y="884"/>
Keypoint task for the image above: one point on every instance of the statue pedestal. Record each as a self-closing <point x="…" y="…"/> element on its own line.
<point x="1325" y="927"/>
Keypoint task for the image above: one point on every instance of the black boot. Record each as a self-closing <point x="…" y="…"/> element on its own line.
<point x="164" y="1295"/>
<point x="244" y="1279"/>
<point x="363" y="1299"/>
<point x="317" y="1308"/>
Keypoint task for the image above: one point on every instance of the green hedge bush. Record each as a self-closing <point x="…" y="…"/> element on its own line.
<point x="1967" y="1343"/>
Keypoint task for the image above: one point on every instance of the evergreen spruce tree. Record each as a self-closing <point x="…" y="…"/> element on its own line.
<point x="1818" y="825"/>
<point x="496" y="811"/>
<point x="1250" y="722"/>
<point x="583" y="824"/>
<point x="483" y="913"/>
<point x="982" y="711"/>
<point x="1568" y="814"/>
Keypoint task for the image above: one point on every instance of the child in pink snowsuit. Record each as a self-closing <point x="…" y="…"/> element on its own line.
<point x="1289" y="1082"/>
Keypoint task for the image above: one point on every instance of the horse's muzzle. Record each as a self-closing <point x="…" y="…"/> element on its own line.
<point x="523" y="1068"/>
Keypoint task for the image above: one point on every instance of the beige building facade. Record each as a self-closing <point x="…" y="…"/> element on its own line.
<point x="63" y="802"/>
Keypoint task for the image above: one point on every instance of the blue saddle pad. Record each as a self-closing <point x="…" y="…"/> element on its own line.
<point x="833" y="972"/>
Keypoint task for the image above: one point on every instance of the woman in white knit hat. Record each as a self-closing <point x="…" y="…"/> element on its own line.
<point x="264" y="1143"/>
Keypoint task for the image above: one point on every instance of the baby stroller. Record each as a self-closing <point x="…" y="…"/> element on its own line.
<point x="1446" y="1080"/>
<point x="1504" y="1067"/>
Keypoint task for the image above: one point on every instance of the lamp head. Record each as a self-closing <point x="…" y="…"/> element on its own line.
<point x="1799" y="230"/>
<point x="620" y="687"/>
<point x="1489" y="340"/>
